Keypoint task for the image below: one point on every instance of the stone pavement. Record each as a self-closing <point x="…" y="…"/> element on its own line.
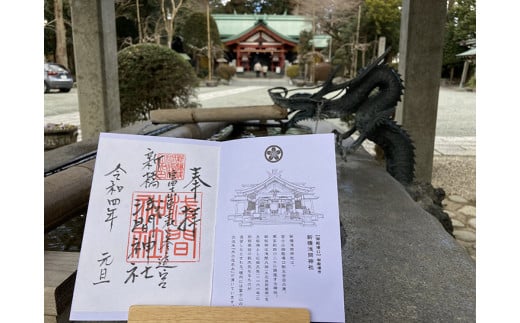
<point x="463" y="214"/>
<point x="457" y="176"/>
<point x="454" y="154"/>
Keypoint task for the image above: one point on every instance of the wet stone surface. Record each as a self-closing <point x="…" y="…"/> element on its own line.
<point x="66" y="237"/>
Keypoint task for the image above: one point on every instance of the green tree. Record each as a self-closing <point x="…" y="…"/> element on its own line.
<point x="355" y="37"/>
<point x="139" y="20"/>
<point x="153" y="20"/>
<point x="232" y="6"/>
<point x="305" y="44"/>
<point x="49" y="34"/>
<point x="269" y="7"/>
<point x="460" y="27"/>
<point x="305" y="53"/>
<point x="463" y="17"/>
<point x="58" y="33"/>
<point x="341" y="58"/>
<point x="383" y="18"/>
<point x="194" y="32"/>
<point x="216" y="6"/>
<point x="152" y="76"/>
<point x="273" y="7"/>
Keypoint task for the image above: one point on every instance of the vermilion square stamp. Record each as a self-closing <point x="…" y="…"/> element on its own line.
<point x="170" y="166"/>
<point x="165" y="227"/>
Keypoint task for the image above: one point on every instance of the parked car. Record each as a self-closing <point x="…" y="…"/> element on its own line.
<point x="58" y="77"/>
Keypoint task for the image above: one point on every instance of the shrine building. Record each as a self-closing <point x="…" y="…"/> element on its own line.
<point x="275" y="201"/>
<point x="271" y="40"/>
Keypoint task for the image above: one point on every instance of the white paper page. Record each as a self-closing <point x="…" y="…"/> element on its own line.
<point x="148" y="235"/>
<point x="277" y="233"/>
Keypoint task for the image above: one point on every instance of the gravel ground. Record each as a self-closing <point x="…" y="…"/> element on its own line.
<point x="456" y="175"/>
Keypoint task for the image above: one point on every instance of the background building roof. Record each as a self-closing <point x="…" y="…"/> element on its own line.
<point x="289" y="26"/>
<point x="469" y="52"/>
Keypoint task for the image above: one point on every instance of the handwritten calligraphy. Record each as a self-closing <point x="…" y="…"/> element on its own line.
<point x="104" y="262"/>
<point x="164" y="227"/>
<point x="113" y="191"/>
<point x="149" y="165"/>
<point x="196" y="181"/>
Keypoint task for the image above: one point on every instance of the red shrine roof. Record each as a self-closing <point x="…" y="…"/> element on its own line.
<point x="260" y="33"/>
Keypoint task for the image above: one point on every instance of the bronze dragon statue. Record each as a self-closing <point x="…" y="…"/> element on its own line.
<point x="370" y="98"/>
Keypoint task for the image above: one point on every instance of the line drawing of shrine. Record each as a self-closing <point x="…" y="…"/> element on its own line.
<point x="275" y="201"/>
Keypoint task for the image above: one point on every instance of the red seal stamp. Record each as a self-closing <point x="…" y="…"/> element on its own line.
<point x="170" y="166"/>
<point x="165" y="227"/>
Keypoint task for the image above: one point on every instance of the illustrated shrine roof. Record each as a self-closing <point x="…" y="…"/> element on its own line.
<point x="276" y="179"/>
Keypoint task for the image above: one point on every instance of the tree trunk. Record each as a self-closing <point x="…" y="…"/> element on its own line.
<point x="210" y="57"/>
<point x="61" y="35"/>
<point x="168" y="18"/>
<point x="450" y="4"/>
<point x="139" y="26"/>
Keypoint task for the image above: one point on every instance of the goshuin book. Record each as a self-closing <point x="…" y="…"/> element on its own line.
<point x="246" y="222"/>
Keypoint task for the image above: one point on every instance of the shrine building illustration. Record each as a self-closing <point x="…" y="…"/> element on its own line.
<point x="275" y="201"/>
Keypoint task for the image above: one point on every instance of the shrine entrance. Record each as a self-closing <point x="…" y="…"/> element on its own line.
<point x="261" y="44"/>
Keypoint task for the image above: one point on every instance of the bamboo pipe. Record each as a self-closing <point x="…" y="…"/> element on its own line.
<point x="66" y="194"/>
<point x="193" y="115"/>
